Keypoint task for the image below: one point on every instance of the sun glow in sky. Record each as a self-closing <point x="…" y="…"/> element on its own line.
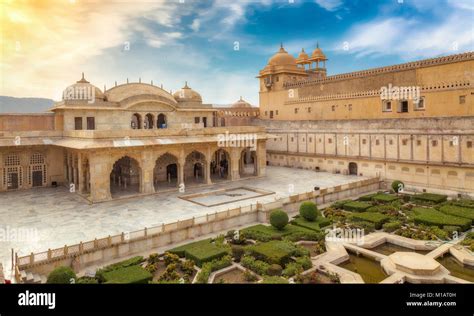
<point x="46" y="44"/>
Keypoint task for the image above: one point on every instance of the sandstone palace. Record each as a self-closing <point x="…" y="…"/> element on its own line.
<point x="412" y="122"/>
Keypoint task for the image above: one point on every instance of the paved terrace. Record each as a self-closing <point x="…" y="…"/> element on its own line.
<point x="61" y="218"/>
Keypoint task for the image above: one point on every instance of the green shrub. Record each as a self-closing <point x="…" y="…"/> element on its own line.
<point x="274" y="269"/>
<point x="257" y="266"/>
<point x="398" y="186"/>
<point x="292" y="269"/>
<point x="62" y="275"/>
<point x="274" y="280"/>
<point x="153" y="258"/>
<point x="151" y="267"/>
<point x="340" y="204"/>
<point x="464" y="203"/>
<point x="128" y="275"/>
<point x="384" y="198"/>
<point x="465" y="212"/>
<point x="392" y="226"/>
<point x="122" y="264"/>
<point x="309" y="211"/>
<point x="291" y="232"/>
<point x="249" y="276"/>
<point x="278" y="219"/>
<point x="201" y="251"/>
<point x="429" y="198"/>
<point x="212" y="266"/>
<point x="170" y="258"/>
<point x="367" y="198"/>
<point x="188" y="267"/>
<point x="275" y="251"/>
<point x="87" y="280"/>
<point x="304" y="262"/>
<point x="237" y="252"/>
<point x="205" y="254"/>
<point x="170" y="273"/>
<point x="377" y="219"/>
<point x="356" y="206"/>
<point x="440" y="233"/>
<point x="451" y="229"/>
<point x="432" y="217"/>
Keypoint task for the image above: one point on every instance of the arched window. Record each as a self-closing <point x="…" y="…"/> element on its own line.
<point x="148" y="124"/>
<point x="161" y="122"/>
<point x="136" y="121"/>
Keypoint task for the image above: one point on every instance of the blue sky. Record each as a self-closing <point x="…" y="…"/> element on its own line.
<point x="174" y="41"/>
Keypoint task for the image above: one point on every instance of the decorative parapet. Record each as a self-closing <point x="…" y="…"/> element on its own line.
<point x="376" y="93"/>
<point x="375" y="71"/>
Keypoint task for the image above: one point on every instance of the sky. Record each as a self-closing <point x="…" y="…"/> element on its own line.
<point x="217" y="46"/>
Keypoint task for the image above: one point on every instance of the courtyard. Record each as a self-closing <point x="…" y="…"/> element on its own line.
<point x="57" y="217"/>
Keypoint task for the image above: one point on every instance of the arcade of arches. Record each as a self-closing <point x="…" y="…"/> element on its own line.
<point x="108" y="174"/>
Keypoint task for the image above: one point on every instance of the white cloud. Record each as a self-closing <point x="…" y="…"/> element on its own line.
<point x="409" y="38"/>
<point x="195" y="25"/>
<point x="329" y="5"/>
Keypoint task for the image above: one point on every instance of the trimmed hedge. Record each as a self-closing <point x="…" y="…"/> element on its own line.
<point x="122" y="264"/>
<point x="377" y="219"/>
<point x="384" y="198"/>
<point x="432" y="217"/>
<point x="356" y="206"/>
<point x="274" y="280"/>
<point x="273" y="252"/>
<point x="212" y="266"/>
<point x="309" y="211"/>
<point x="314" y="225"/>
<point x="340" y="204"/>
<point x="266" y="233"/>
<point x="392" y="226"/>
<point x="464" y="212"/>
<point x="200" y="252"/>
<point x="279" y="219"/>
<point x="128" y="275"/>
<point x="429" y="198"/>
<point x="367" y="198"/>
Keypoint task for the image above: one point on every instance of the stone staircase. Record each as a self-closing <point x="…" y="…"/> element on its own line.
<point x="31" y="277"/>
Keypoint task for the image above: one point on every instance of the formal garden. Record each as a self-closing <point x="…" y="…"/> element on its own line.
<point x="282" y="252"/>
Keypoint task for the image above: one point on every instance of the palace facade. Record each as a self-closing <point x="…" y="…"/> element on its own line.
<point x="138" y="138"/>
<point x="421" y="132"/>
<point x="132" y="139"/>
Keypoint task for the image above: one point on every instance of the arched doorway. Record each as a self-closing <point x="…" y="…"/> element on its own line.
<point x="13" y="172"/>
<point x="161" y="121"/>
<point x="220" y="165"/>
<point x="352" y="168"/>
<point x="165" y="173"/>
<point x="248" y="163"/>
<point x="125" y="177"/>
<point x="136" y="122"/>
<point x="148" y="121"/>
<point x="37" y="170"/>
<point x="194" y="168"/>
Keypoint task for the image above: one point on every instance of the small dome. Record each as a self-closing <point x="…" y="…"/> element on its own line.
<point x="187" y="94"/>
<point x="318" y="54"/>
<point x="282" y="58"/>
<point x="302" y="57"/>
<point x="241" y="103"/>
<point x="81" y="90"/>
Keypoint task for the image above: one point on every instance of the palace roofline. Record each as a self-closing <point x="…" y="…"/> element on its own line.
<point x="393" y="68"/>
